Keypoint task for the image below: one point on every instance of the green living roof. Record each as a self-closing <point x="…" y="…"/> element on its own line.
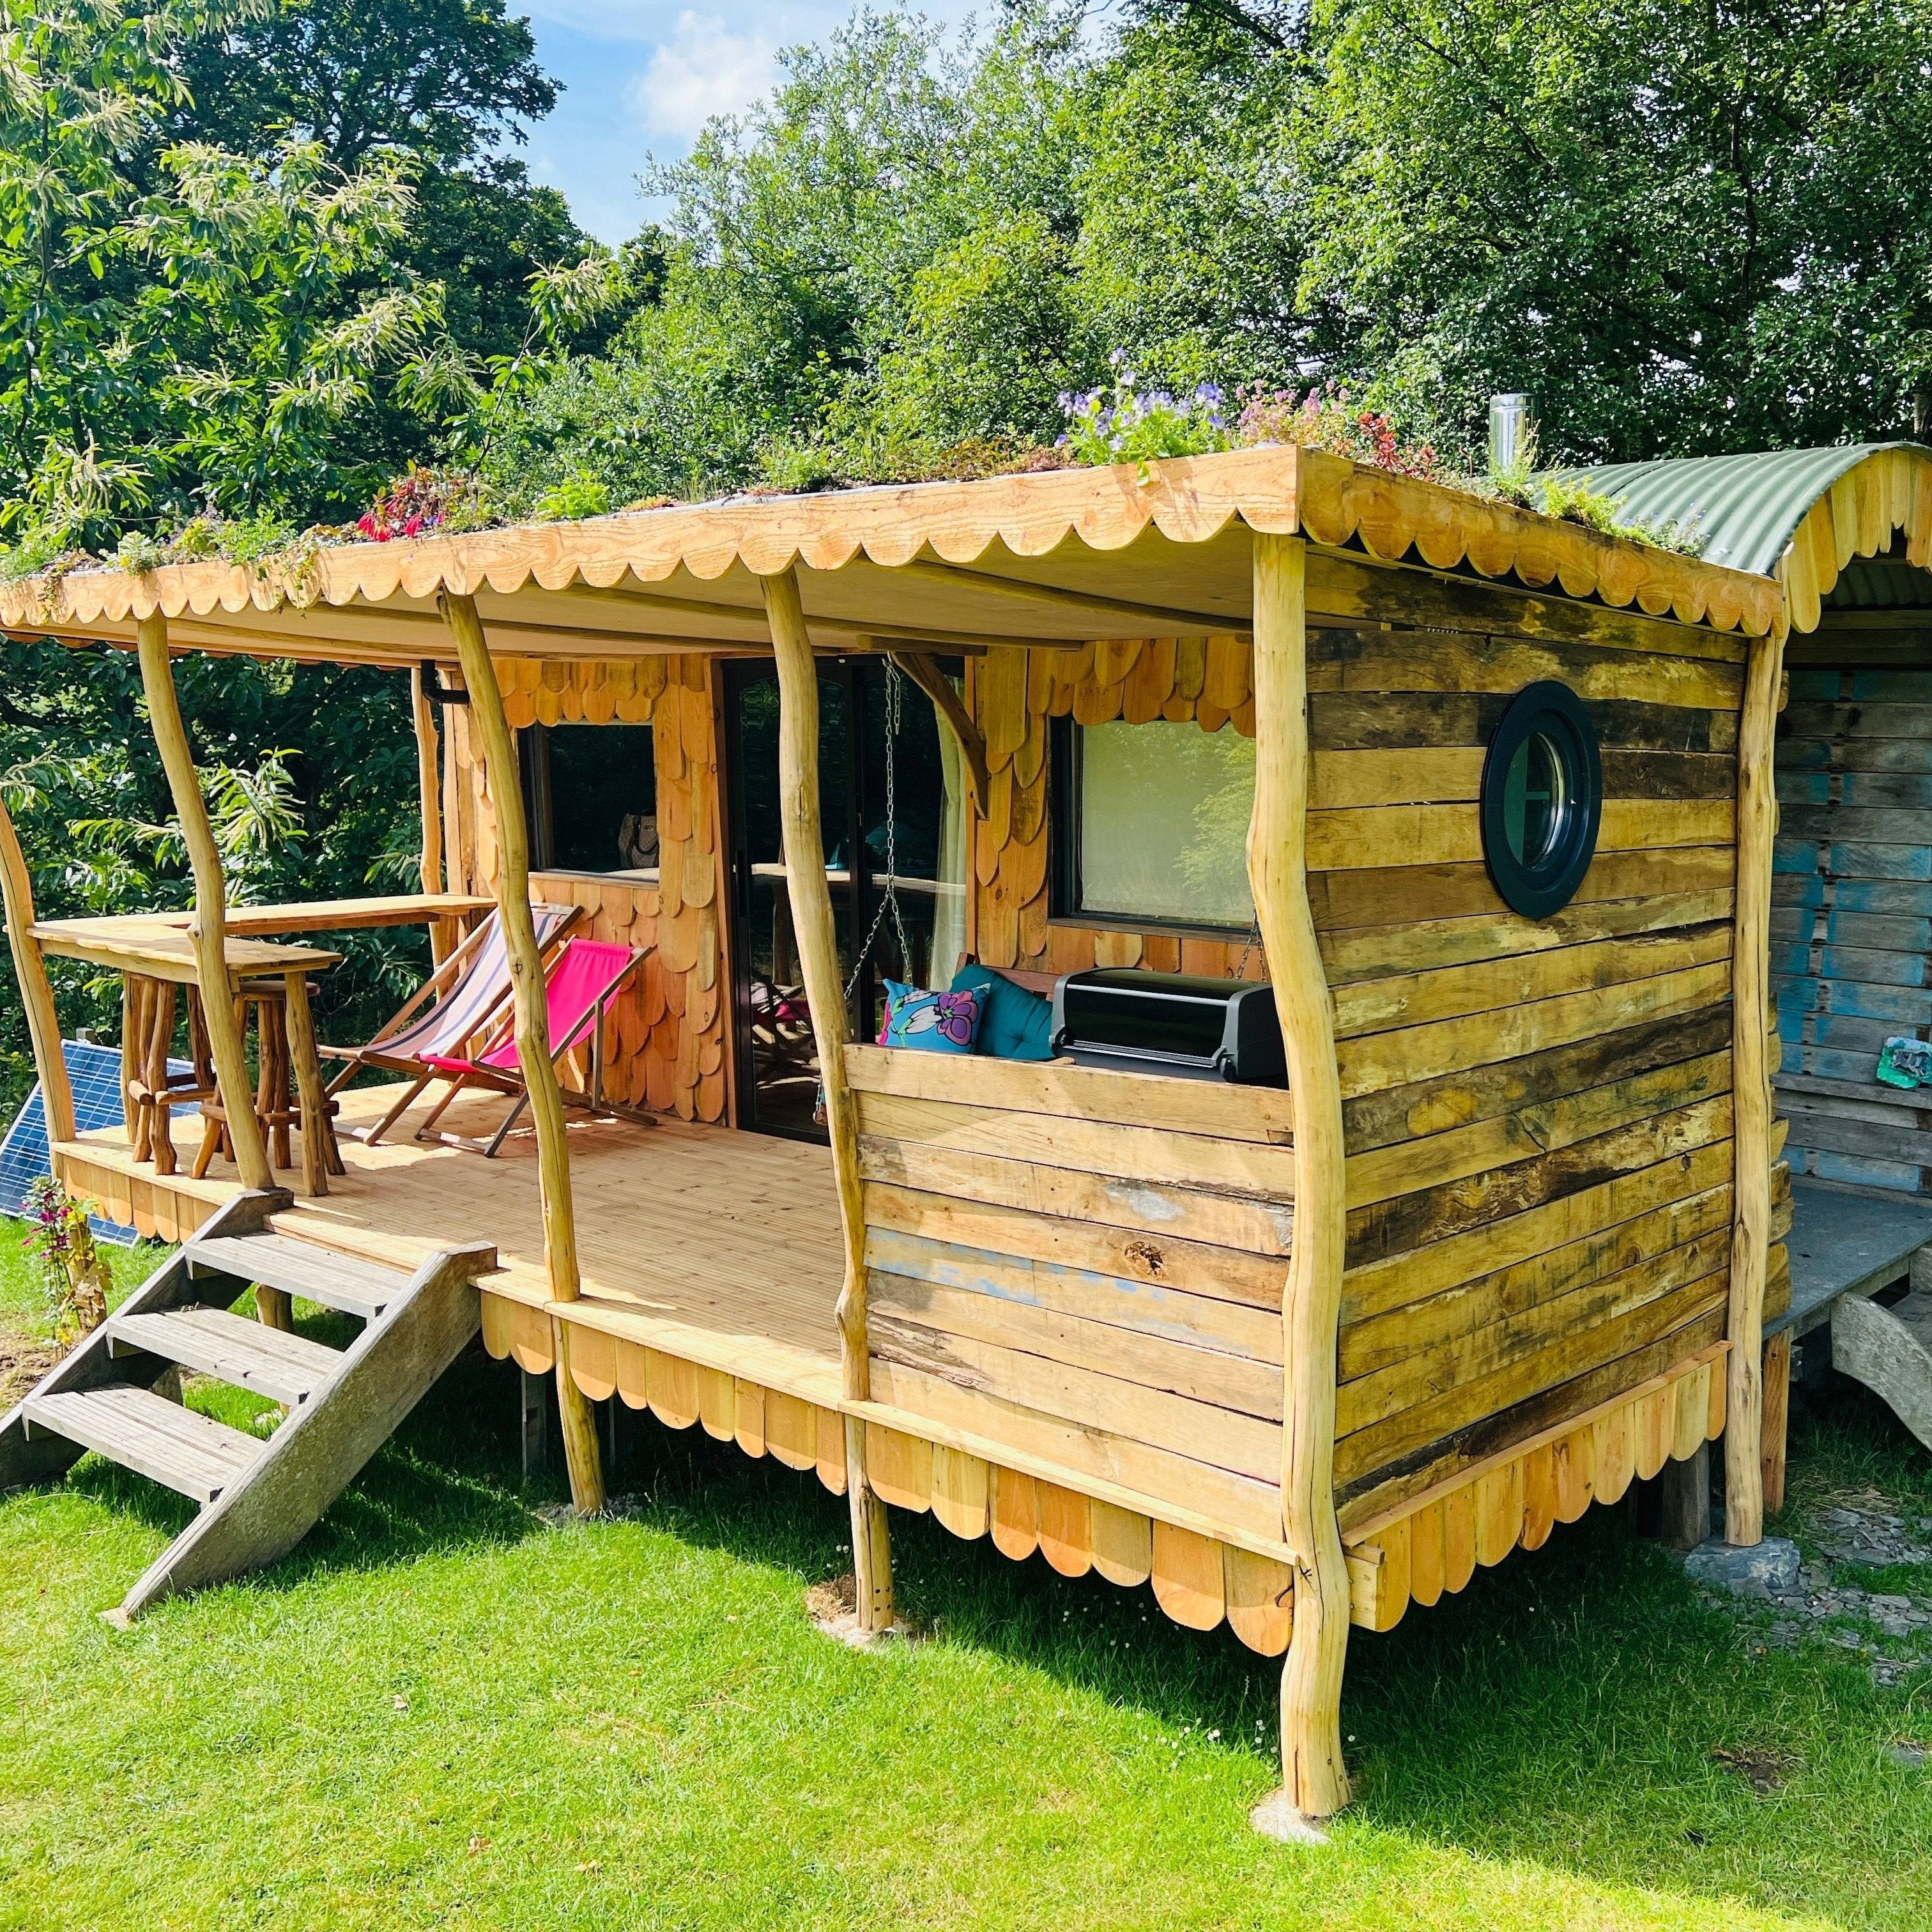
<point x="1746" y="508"/>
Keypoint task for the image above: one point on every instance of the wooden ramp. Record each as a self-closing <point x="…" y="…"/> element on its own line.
<point x="259" y="1496"/>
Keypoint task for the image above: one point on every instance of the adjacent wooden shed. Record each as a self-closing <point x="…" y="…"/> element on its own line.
<point x="1298" y="1357"/>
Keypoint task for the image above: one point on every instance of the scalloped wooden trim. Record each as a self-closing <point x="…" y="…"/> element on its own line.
<point x="1191" y="500"/>
<point x="1891" y="490"/>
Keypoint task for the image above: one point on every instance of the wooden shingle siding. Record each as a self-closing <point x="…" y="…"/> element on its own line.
<point x="1852" y="914"/>
<point x="665" y="1047"/>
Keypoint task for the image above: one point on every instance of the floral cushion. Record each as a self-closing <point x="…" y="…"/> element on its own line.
<point x="929" y="1022"/>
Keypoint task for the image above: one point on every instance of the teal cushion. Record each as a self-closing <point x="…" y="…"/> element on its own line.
<point x="930" y="1022"/>
<point x="1014" y="1023"/>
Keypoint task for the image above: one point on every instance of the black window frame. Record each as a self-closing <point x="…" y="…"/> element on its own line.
<point x="533" y="781"/>
<point x="1064" y="900"/>
<point x="1553" y="711"/>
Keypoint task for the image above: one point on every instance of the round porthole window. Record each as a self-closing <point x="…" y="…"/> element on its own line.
<point x="1542" y="799"/>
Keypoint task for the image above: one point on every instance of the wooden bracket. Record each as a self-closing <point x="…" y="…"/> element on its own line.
<point x="919" y="667"/>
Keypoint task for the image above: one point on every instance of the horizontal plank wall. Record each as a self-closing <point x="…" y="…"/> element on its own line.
<point x="1851" y="931"/>
<point x="666" y="1046"/>
<point x="1085" y="1266"/>
<point x="1537" y="1113"/>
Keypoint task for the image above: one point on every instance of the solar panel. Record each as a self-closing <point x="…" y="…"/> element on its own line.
<point x="95" y="1073"/>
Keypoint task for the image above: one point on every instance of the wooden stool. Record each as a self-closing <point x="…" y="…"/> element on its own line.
<point x="149" y="1092"/>
<point x="277" y="1100"/>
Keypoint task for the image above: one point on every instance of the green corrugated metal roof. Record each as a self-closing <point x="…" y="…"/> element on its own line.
<point x="1745" y="508"/>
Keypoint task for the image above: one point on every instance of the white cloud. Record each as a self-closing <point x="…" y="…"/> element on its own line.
<point x="703" y="68"/>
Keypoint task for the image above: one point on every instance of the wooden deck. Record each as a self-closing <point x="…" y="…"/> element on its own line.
<point x="721" y="1248"/>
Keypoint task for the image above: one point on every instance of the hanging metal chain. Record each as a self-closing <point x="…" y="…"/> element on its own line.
<point x="895" y="711"/>
<point x="1240" y="964"/>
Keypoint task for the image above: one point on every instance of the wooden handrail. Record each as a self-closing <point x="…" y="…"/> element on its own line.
<point x="1314" y="1779"/>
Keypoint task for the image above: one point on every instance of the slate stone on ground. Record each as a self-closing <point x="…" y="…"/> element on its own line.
<point x="1767" y="1569"/>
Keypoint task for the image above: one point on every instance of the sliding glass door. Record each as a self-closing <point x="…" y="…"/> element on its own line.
<point x="891" y="807"/>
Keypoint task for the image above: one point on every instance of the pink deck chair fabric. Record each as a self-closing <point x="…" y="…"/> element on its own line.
<point x="475" y="998"/>
<point x="581" y="977"/>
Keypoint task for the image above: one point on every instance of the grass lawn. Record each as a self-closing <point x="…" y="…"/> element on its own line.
<point x="440" y="1712"/>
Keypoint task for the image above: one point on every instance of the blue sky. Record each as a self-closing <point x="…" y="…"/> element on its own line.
<point x="640" y="77"/>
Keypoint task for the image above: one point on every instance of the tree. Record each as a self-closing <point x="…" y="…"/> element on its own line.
<point x="450" y="82"/>
<point x="1688" y="228"/>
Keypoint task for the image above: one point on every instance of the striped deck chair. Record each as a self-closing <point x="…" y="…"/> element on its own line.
<point x="578" y="988"/>
<point x="469" y="991"/>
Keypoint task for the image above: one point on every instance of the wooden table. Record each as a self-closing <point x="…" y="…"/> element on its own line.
<point x="258" y="921"/>
<point x="150" y="948"/>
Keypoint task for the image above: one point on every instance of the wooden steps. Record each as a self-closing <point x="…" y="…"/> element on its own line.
<point x="148" y="1434"/>
<point x="345" y="1282"/>
<point x="271" y="1361"/>
<point x="259" y="1496"/>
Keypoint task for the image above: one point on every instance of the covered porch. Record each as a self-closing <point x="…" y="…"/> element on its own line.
<point x="722" y="1249"/>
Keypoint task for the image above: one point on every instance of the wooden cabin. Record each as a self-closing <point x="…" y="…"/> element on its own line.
<point x="1484" y="796"/>
<point x="1847" y="530"/>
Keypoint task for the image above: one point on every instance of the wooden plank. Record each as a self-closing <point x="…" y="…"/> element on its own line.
<point x="1383" y="1442"/>
<point x="958" y="1277"/>
<point x="287" y="1367"/>
<point x="1241" y="1443"/>
<point x="1418" y="1378"/>
<point x="1390" y="1282"/>
<point x="961" y="1492"/>
<point x="1392" y="895"/>
<point x="1188" y="1580"/>
<point x="1014" y="1513"/>
<point x="1436" y="1214"/>
<point x="1447" y="835"/>
<point x="1437" y="1321"/>
<point x="1451" y="661"/>
<point x="1376" y="953"/>
<point x="1085" y="1452"/>
<point x="900" y="1220"/>
<point x="187" y="1451"/>
<point x="1389" y="1173"/>
<point x="1066" y="1529"/>
<point x="1260" y="1599"/>
<point x="1402" y="720"/>
<point x="1411" y="1053"/>
<point x="899" y="1467"/>
<point x="1218" y="1220"/>
<point x="1449" y="992"/>
<point x="1091" y="1147"/>
<point x="1262" y="1114"/>
<point x="1469" y="1095"/>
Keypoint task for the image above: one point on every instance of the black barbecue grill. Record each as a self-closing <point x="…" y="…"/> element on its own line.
<point x="1173" y="1023"/>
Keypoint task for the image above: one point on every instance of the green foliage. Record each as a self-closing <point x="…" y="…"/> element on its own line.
<point x="1128" y="425"/>
<point x="1685" y="229"/>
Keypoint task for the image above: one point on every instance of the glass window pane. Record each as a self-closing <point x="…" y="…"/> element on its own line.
<point x="604" y="798"/>
<point x="1164" y="811"/>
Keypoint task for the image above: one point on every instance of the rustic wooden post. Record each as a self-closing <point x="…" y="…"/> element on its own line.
<point x="208" y="929"/>
<point x="430" y="802"/>
<point x="1314" y="1781"/>
<point x="37" y="992"/>
<point x="817" y="942"/>
<point x="498" y="751"/>
<point x="1751" y="1091"/>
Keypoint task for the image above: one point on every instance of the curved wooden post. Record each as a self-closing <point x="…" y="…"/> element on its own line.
<point x="37" y="992"/>
<point x="1315" y="1782"/>
<point x="499" y="751"/>
<point x="208" y="930"/>
<point x="429" y="798"/>
<point x="1750" y="1091"/>
<point x="818" y="941"/>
